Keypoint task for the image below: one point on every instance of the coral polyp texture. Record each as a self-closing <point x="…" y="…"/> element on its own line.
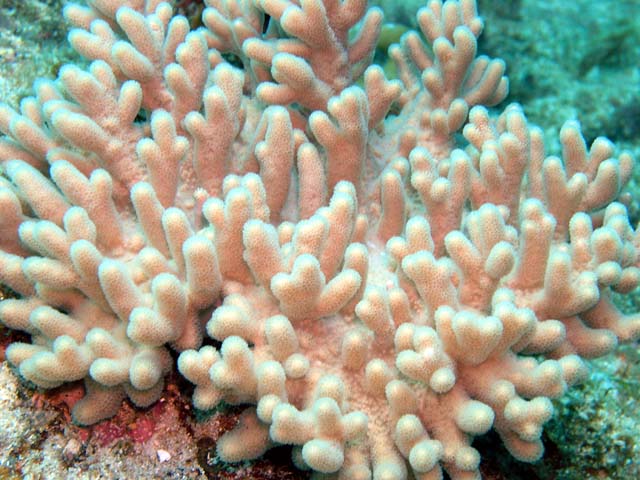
<point x="383" y="268"/>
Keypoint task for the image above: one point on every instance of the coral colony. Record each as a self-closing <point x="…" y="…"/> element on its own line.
<point x="380" y="288"/>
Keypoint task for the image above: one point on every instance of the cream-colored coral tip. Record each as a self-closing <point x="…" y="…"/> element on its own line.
<point x="500" y="261"/>
<point x="475" y="417"/>
<point x="109" y="372"/>
<point x="19" y="352"/>
<point x="354" y="349"/>
<point x="390" y="469"/>
<point x="595" y="343"/>
<point x="426" y="341"/>
<point x="235" y="351"/>
<point x="476" y="336"/>
<point x="305" y="276"/>
<point x="236" y="368"/>
<point x="408" y="431"/>
<point x="330" y="386"/>
<point x="68" y="361"/>
<point x="355" y="425"/>
<point x="195" y="365"/>
<point x="323" y="456"/>
<point x="145" y="371"/>
<point x="629" y="280"/>
<point x="411" y="364"/>
<point x="515" y="410"/>
<point x="310" y="235"/>
<point x="541" y="409"/>
<point x="440" y="189"/>
<point x="587" y="292"/>
<point x="248" y="440"/>
<point x="573" y="369"/>
<point x="467" y="459"/>
<point x="289" y="426"/>
<point x="606" y="244"/>
<point x="355" y="472"/>
<point x="285" y="232"/>
<point x="328" y="417"/>
<point x="442" y="380"/>
<point x="401" y="397"/>
<point x="403" y="339"/>
<point x="547" y="336"/>
<point x="396" y="249"/>
<point x="54" y="324"/>
<point x="206" y="397"/>
<point x="501" y="392"/>
<point x="425" y="455"/>
<point x="296" y="366"/>
<point x="280" y="336"/>
<point x="49" y="272"/>
<point x="547" y="376"/>
<point x="227" y="321"/>
<point x="151" y="261"/>
<point x="271" y="378"/>
<point x="147" y="328"/>
<point x="609" y="273"/>
<point x="266" y="407"/>
<point x="377" y="375"/>
<point x="527" y="418"/>
<point x="338" y="292"/>
<point x="418" y="233"/>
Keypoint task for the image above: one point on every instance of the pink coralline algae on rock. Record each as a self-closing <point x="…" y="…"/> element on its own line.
<point x="380" y="288"/>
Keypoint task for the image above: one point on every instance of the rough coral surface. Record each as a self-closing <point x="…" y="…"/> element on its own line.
<point x="313" y="238"/>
